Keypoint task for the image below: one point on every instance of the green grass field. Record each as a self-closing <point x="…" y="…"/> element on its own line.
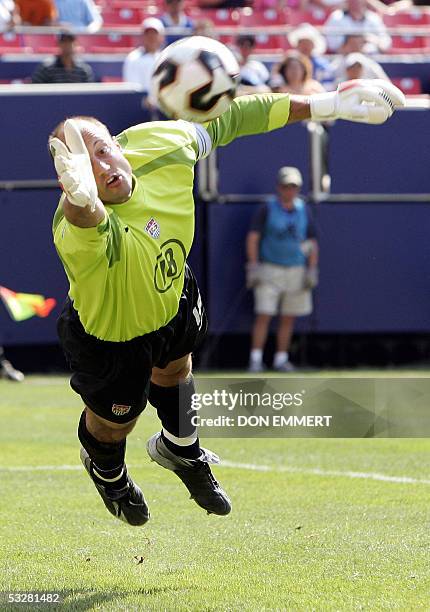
<point x="318" y="529"/>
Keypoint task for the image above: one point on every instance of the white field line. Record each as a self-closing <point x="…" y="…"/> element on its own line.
<point x="245" y="466"/>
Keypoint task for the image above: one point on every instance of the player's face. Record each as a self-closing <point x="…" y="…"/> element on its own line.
<point x="111" y="170"/>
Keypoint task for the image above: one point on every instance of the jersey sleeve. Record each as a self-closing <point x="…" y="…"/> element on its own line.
<point x="83" y="249"/>
<point x="247" y="115"/>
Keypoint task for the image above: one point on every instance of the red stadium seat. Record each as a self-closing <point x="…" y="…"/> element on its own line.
<point x="267" y="17"/>
<point x="122" y="16"/>
<point x="108" y="43"/>
<point x="223" y="17"/>
<point x="41" y="43"/>
<point x="409" y="85"/>
<point x="412" y="17"/>
<point x="10" y="42"/>
<point x="220" y="18"/>
<point x="409" y="44"/>
<point x="270" y="16"/>
<point x="315" y="16"/>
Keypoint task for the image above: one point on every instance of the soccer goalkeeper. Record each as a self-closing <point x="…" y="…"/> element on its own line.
<point x="123" y="230"/>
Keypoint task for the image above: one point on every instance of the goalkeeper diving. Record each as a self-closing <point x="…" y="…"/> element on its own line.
<point x="123" y="230"/>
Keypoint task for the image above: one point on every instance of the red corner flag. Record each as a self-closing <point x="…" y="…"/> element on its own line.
<point x="23" y="306"/>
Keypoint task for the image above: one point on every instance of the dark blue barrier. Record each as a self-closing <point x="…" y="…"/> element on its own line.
<point x="29" y="262"/>
<point x="389" y="158"/>
<point x="249" y="165"/>
<point x="27" y="120"/>
<point x="375" y="268"/>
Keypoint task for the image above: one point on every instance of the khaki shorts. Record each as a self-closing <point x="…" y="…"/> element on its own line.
<point x="281" y="291"/>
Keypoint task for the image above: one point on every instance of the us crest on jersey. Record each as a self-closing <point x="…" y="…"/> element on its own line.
<point x="152" y="228"/>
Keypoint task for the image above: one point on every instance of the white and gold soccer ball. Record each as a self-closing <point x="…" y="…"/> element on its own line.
<point x="195" y="79"/>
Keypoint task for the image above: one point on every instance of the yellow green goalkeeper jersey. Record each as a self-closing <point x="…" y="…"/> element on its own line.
<point x="126" y="274"/>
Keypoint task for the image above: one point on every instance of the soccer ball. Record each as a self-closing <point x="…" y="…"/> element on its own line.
<point x="195" y="79"/>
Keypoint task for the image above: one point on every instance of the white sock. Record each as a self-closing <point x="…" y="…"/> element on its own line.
<point x="180" y="441"/>
<point x="256" y="356"/>
<point x="280" y="358"/>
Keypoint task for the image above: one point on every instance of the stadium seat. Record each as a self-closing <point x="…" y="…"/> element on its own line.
<point x="107" y="43"/>
<point x="41" y="43"/>
<point x="10" y="42"/>
<point x="122" y="16"/>
<point x="409" y="44"/>
<point x="409" y="85"/>
<point x="267" y="17"/>
<point x="315" y="16"/>
<point x="220" y="18"/>
<point x="270" y="16"/>
<point x="412" y="17"/>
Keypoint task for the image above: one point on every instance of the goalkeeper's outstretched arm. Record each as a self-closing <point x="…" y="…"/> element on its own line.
<point x="364" y="101"/>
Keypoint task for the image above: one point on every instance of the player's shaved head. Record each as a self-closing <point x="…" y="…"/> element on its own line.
<point x="84" y="122"/>
<point x="112" y="171"/>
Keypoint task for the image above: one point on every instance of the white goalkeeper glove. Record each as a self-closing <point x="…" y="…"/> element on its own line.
<point x="73" y="166"/>
<point x="361" y="100"/>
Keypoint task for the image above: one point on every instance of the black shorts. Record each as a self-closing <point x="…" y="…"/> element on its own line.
<point x="113" y="377"/>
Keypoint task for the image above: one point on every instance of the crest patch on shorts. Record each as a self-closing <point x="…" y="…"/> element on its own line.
<point x="152" y="228"/>
<point x="120" y="409"/>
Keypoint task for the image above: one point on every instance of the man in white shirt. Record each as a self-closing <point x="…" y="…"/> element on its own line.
<point x="358" y="66"/>
<point x="254" y="76"/>
<point x="356" y="19"/>
<point x="139" y="64"/>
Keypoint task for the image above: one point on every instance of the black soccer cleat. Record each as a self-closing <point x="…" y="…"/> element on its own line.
<point x="126" y="503"/>
<point x="194" y="473"/>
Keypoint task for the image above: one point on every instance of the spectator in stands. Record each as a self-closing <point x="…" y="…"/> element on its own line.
<point x="81" y="15"/>
<point x="204" y="27"/>
<point x="254" y="76"/>
<point x="357" y="19"/>
<point x="294" y="75"/>
<point x="65" y="67"/>
<point x="359" y="66"/>
<point x="308" y="41"/>
<point x="175" y="17"/>
<point x="9" y="16"/>
<point x="37" y="12"/>
<point x="7" y="370"/>
<point x="282" y="259"/>
<point x="139" y="64"/>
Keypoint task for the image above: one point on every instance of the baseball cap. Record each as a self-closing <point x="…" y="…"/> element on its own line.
<point x="309" y="32"/>
<point x="288" y="175"/>
<point x="152" y="23"/>
<point x="354" y="58"/>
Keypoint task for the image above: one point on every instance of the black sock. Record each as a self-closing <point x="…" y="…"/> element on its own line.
<point x="192" y="451"/>
<point x="108" y="466"/>
<point x="173" y="405"/>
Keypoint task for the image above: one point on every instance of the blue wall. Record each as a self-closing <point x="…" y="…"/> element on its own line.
<point x="375" y="268"/>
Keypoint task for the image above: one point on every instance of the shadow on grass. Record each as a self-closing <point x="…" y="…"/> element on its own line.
<point x="80" y="601"/>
